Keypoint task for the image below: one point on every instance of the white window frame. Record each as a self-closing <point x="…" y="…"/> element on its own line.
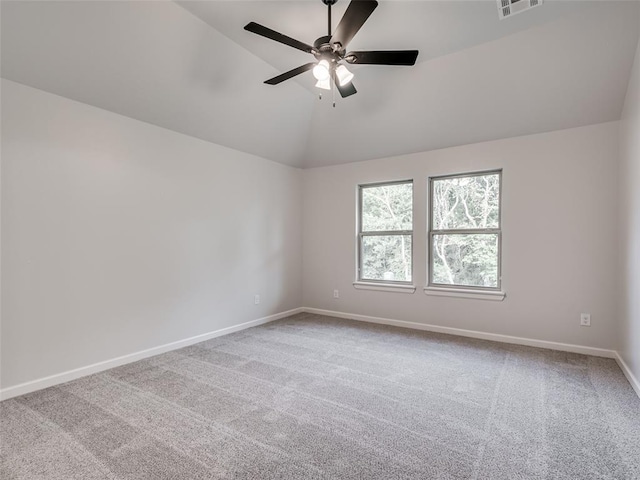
<point x="471" y="289"/>
<point x="361" y="282"/>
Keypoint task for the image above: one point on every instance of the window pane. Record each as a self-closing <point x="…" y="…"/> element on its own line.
<point x="386" y="257"/>
<point x="466" y="202"/>
<point x="470" y="260"/>
<point x="387" y="207"/>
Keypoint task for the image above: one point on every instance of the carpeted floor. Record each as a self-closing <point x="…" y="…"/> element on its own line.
<point x="312" y="397"/>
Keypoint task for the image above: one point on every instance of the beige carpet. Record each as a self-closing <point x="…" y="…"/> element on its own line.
<point x="312" y="397"/>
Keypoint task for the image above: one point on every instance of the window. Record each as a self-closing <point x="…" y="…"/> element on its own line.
<point x="465" y="235"/>
<point x="385" y="232"/>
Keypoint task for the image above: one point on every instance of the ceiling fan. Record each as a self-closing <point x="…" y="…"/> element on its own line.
<point x="330" y="51"/>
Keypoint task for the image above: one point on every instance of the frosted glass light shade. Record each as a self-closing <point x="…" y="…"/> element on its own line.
<point x="324" y="84"/>
<point x="321" y="70"/>
<point x="344" y="75"/>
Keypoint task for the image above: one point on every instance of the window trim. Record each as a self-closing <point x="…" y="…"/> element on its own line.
<point x="385" y="287"/>
<point x="463" y="289"/>
<point x="359" y="233"/>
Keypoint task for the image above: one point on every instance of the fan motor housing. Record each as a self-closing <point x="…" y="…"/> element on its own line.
<point x="323" y="49"/>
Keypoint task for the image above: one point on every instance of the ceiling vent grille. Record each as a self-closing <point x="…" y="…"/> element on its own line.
<point x="508" y="8"/>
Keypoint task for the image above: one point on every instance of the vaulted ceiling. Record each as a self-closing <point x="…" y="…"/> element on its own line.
<point x="190" y="67"/>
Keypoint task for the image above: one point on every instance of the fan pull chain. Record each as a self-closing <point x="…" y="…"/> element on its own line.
<point x="334" y="93"/>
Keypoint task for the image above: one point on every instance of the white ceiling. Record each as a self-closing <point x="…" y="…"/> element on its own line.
<point x="190" y="67"/>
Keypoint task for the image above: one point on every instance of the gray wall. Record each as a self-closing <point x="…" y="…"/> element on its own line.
<point x="559" y="237"/>
<point x="630" y="224"/>
<point x="118" y="236"/>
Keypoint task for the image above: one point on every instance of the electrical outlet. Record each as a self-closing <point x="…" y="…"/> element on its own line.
<point x="585" y="319"/>
<point x="256" y="299"/>
<point x="336" y="294"/>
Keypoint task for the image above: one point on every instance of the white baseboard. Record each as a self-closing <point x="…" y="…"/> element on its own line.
<point x="69" y="375"/>
<point x="565" y="347"/>
<point x="635" y="384"/>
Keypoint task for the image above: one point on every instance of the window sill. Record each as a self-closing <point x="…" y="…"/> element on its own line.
<point x="385" y="287"/>
<point x="462" y="293"/>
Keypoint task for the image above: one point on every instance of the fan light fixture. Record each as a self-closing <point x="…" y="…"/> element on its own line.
<point x="321" y="71"/>
<point x="344" y="75"/>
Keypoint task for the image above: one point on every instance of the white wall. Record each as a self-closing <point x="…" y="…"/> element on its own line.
<point x="118" y="236"/>
<point x="630" y="223"/>
<point x="559" y="237"/>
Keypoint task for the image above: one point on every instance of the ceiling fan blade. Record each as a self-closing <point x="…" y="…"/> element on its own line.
<point x="354" y="17"/>
<point x="290" y="74"/>
<point x="277" y="36"/>
<point x="346" y="90"/>
<point x="383" y="57"/>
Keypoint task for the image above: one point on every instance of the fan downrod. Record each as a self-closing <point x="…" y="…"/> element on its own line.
<point x="323" y="49"/>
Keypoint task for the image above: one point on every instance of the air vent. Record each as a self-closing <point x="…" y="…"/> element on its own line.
<point x="508" y="8"/>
